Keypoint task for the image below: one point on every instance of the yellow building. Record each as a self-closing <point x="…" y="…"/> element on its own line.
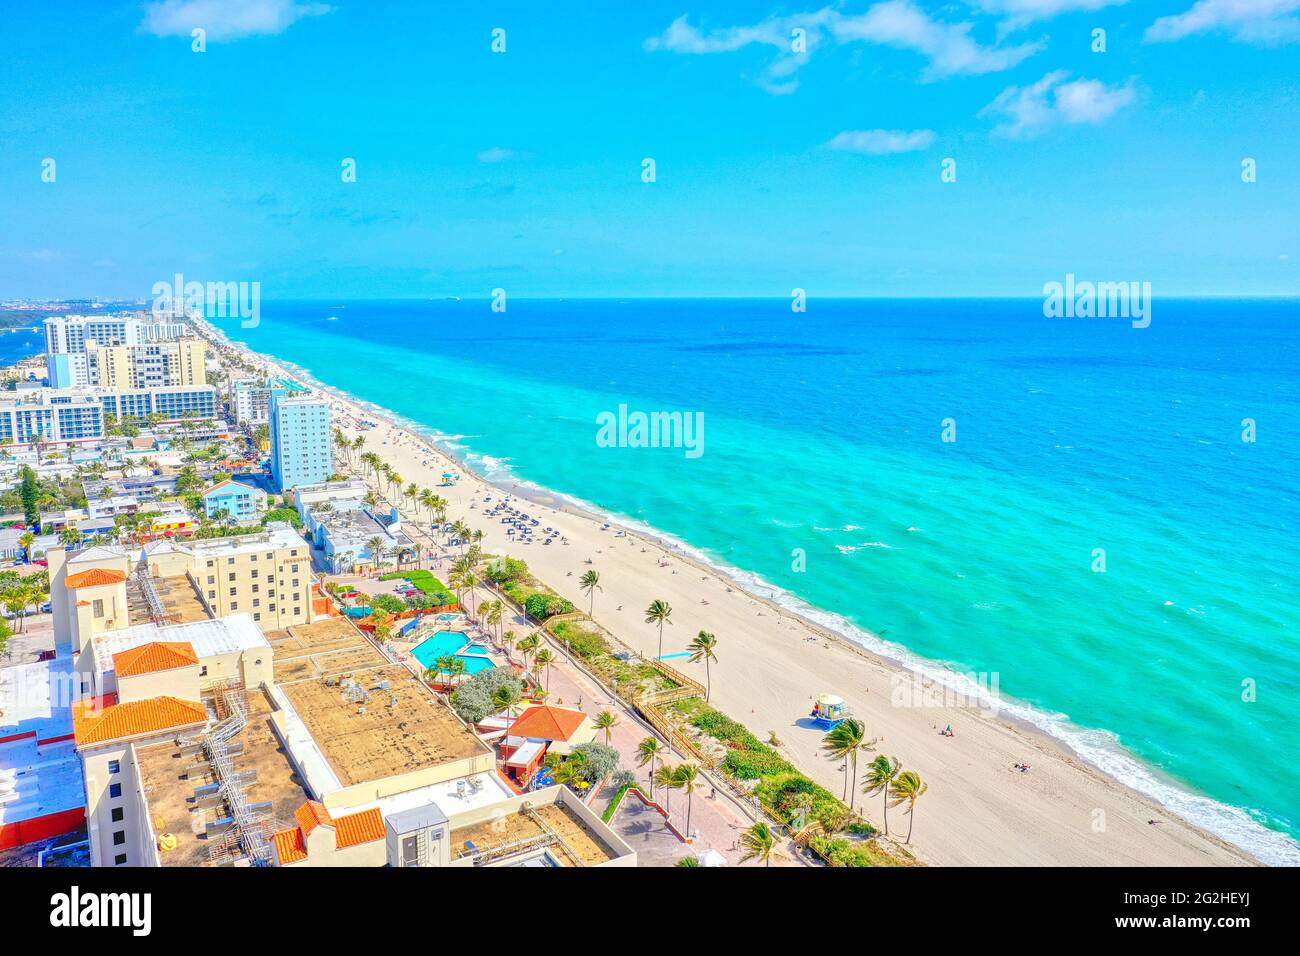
<point x="150" y="365"/>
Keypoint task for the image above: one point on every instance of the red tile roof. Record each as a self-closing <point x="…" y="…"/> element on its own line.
<point x="311" y="815"/>
<point x="352" y="830"/>
<point x="102" y="719"/>
<point x="93" y="577"/>
<point x="357" y="828"/>
<point x="289" y="846"/>
<point x="153" y="657"/>
<point x="545" y="722"/>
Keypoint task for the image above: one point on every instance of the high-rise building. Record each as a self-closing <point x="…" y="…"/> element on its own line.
<point x="151" y="365"/>
<point x="251" y="400"/>
<point x="301" y="440"/>
<point x="68" y="336"/>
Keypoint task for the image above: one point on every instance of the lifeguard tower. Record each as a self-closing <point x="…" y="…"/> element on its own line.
<point x="829" y="711"/>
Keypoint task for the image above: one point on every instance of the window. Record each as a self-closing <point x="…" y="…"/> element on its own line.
<point x="117" y="814"/>
<point x="99" y="608"/>
<point x="254" y="574"/>
<point x="234" y="591"/>
<point x="212" y="595"/>
<point x="119" y="860"/>
<point x="257" y="615"/>
<point x="231" y="576"/>
<point x="203" y="671"/>
<point x="230" y="560"/>
<point x="115" y="766"/>
<point x="119" y="837"/>
<point x="114" y="790"/>
<point x="234" y="605"/>
<point x="297" y="611"/>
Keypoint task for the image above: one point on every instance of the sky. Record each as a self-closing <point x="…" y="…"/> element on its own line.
<point x="793" y="146"/>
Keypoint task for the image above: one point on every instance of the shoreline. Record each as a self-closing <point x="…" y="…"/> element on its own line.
<point x="790" y="612"/>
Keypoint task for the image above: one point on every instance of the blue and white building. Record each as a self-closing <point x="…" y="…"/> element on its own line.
<point x="302" y="444"/>
<point x="235" y="501"/>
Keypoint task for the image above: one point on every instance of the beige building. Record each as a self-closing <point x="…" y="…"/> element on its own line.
<point x="208" y="736"/>
<point x="149" y="365"/>
<point x="267" y="575"/>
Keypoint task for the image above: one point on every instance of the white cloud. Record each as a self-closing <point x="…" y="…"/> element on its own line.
<point x="1051" y="101"/>
<point x="1020" y="13"/>
<point x="948" y="48"/>
<point x="879" y="142"/>
<point x="226" y="19"/>
<point x="1252" y="21"/>
<point x="496" y="154"/>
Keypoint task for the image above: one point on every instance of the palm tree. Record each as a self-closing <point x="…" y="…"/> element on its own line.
<point x="659" y="613"/>
<point x="666" y="777"/>
<point x="908" y="788"/>
<point x="880" y="777"/>
<point x="506" y="697"/>
<point x="702" y="649"/>
<point x="845" y="740"/>
<point x="687" y="778"/>
<point x="470" y="580"/>
<point x="759" y="842"/>
<point x="543" y="662"/>
<point x="529" y="644"/>
<point x="446" y="663"/>
<point x="508" y="642"/>
<point x="457" y="670"/>
<point x="590" y="582"/>
<point x="413" y="493"/>
<point x="495" y="611"/>
<point x="606" y="721"/>
<point x="376" y="548"/>
<point x="687" y="861"/>
<point x="647" y="752"/>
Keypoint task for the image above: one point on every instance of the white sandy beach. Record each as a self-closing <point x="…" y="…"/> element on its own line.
<point x="979" y="810"/>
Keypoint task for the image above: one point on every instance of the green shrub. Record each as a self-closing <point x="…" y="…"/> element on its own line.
<point x="388" y="602"/>
<point x="473" y="699"/>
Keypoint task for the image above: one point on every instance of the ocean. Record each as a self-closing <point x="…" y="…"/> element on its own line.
<point x="1077" y="442"/>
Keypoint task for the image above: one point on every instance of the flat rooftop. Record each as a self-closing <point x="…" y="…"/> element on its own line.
<point x="169" y="786"/>
<point x="178" y="596"/>
<point x="554" y="828"/>
<point x="403" y="728"/>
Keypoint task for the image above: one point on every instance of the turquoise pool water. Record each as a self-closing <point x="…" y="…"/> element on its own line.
<point x="447" y="616"/>
<point x="442" y="643"/>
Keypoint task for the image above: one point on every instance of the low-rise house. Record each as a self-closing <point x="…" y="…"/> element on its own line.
<point x="234" y="500"/>
<point x="541" y="730"/>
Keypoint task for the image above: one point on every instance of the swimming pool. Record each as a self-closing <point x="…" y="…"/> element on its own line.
<point x="442" y="643"/>
<point x="446" y="616"/>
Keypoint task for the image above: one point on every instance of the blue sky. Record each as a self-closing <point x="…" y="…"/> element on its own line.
<point x="775" y="169"/>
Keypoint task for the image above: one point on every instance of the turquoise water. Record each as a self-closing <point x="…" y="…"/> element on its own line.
<point x="442" y="643"/>
<point x="824" y="436"/>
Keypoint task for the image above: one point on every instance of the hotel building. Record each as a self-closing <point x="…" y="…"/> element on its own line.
<point x="301" y="441"/>
<point x="67" y="338"/>
<point x="206" y="740"/>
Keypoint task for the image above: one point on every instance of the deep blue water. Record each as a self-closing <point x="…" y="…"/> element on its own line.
<point x="823" y="433"/>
